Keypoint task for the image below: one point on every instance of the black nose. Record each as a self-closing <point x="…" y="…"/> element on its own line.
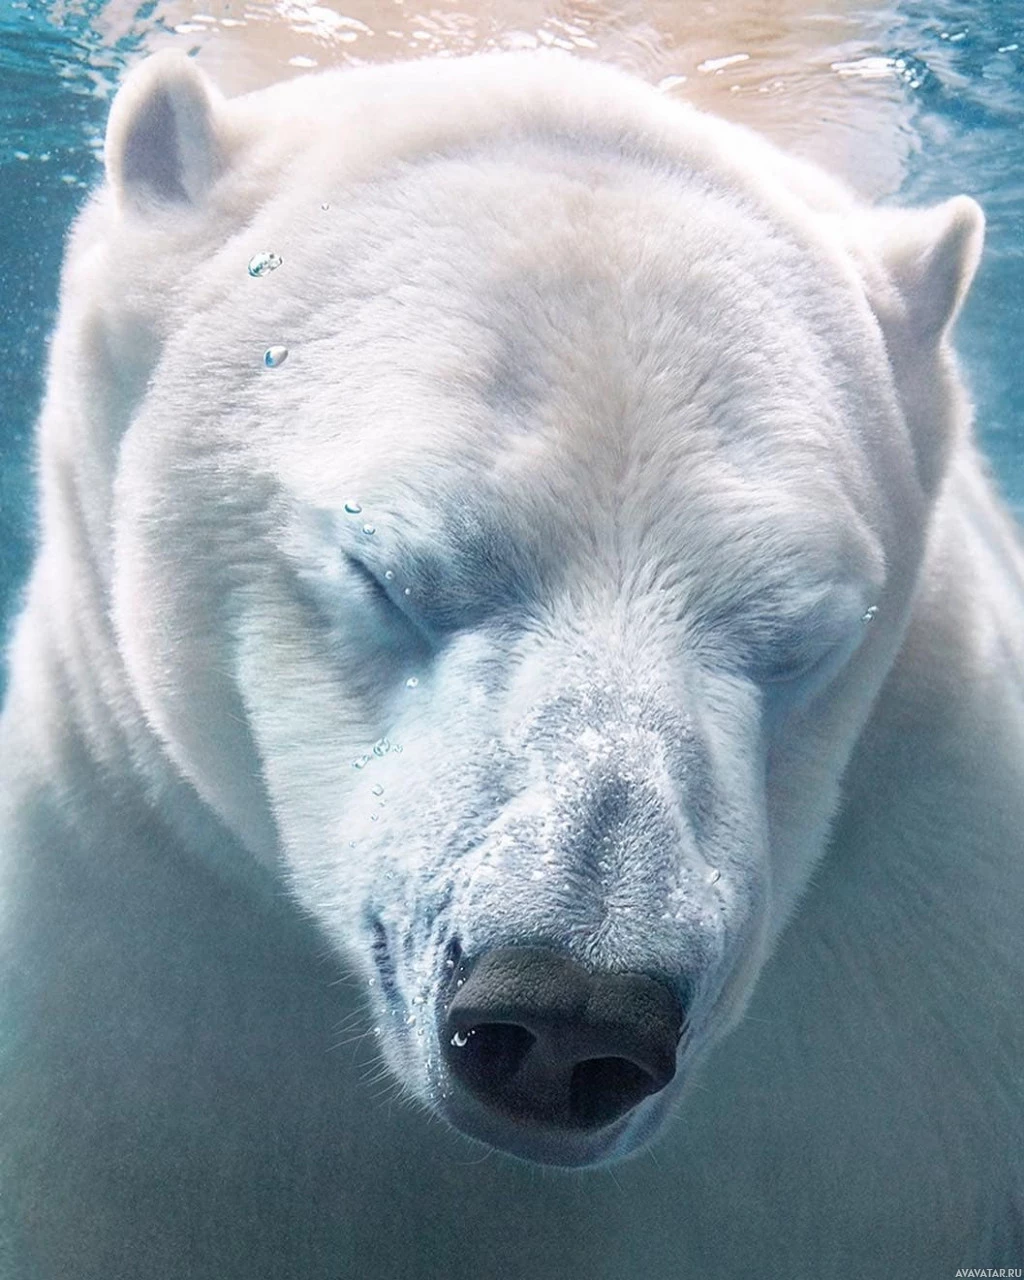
<point x="535" y="1036"/>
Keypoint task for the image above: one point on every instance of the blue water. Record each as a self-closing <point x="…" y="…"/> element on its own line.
<point x="55" y="82"/>
<point x="960" y="66"/>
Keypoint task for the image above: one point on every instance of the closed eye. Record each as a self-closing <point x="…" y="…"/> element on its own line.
<point x="798" y="664"/>
<point x="785" y="653"/>
<point x="808" y="667"/>
<point x="397" y="610"/>
<point x="371" y="582"/>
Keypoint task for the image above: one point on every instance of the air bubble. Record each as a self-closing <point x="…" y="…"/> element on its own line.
<point x="378" y="790"/>
<point x="407" y="591"/>
<point x="374" y="817"/>
<point x="714" y="875"/>
<point x="261" y="264"/>
<point x="460" y="1040"/>
<point x="325" y="206"/>
<point x="353" y="508"/>
<point x="274" y="357"/>
<point x="361" y="762"/>
<point x="389" y="575"/>
<point x="381" y="747"/>
<point x="869" y="614"/>
<point x="412" y="682"/>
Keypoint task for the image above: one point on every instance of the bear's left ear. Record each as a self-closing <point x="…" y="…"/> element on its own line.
<point x="930" y="257"/>
<point x="163" y="144"/>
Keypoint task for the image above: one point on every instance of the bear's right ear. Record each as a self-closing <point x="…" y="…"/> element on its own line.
<point x="163" y="145"/>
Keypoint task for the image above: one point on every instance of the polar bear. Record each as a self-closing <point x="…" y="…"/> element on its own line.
<point x="518" y="603"/>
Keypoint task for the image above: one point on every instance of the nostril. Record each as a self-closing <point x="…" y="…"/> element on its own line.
<point x="491" y="1053"/>
<point x="602" y="1089"/>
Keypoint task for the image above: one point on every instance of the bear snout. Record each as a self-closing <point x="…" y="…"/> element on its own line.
<point x="538" y="1041"/>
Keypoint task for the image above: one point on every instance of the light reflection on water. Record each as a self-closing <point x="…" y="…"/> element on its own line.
<point x="808" y="75"/>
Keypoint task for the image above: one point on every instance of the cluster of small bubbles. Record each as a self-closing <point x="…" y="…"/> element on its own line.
<point x="912" y="71"/>
<point x="381" y="747"/>
<point x="389" y="575"/>
<point x="412" y="682"/>
<point x="274" y="357"/>
<point x="361" y="762"/>
<point x="369" y="529"/>
<point x="869" y="613"/>
<point x="353" y="508"/>
<point x="378" y="790"/>
<point x="261" y="264"/>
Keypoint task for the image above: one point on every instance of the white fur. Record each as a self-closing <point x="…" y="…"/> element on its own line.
<point x="646" y="418"/>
